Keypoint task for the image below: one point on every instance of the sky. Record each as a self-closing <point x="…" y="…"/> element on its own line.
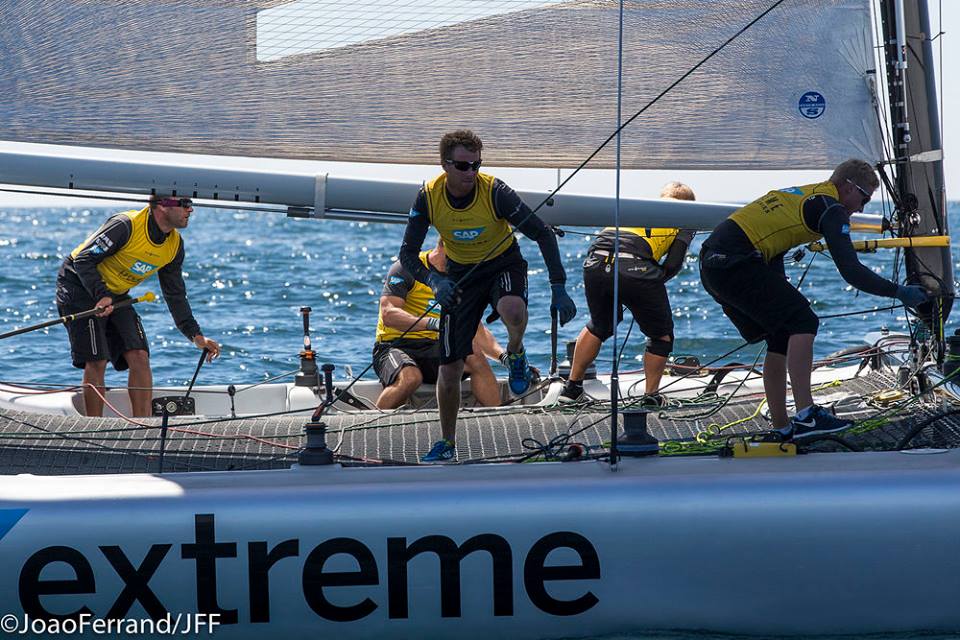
<point x="711" y="186"/>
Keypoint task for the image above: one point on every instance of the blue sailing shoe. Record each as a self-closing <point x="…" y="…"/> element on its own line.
<point x="442" y="451"/>
<point x="519" y="373"/>
<point x="818" y="421"/>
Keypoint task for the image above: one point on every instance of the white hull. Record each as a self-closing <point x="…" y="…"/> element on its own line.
<point x="830" y="543"/>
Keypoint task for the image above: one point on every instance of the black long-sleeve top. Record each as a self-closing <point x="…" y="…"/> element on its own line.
<point x="826" y="216"/>
<point x="108" y="240"/>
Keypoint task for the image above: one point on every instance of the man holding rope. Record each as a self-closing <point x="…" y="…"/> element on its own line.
<point x="741" y="267"/>
<point x="473" y="213"/>
<point x="126" y="250"/>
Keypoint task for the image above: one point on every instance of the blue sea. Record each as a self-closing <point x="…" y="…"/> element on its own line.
<point x="248" y="274"/>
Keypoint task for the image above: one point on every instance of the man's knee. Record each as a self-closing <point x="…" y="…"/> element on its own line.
<point x="601" y="333"/>
<point x="408" y="379"/>
<point x="512" y="309"/>
<point x="95" y="367"/>
<point x="476" y="363"/>
<point x="661" y="346"/>
<point x="138" y="359"/>
<point x="450" y="373"/>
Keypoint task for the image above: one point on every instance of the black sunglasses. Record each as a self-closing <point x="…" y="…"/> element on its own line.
<point x="866" y="196"/>
<point x="462" y="165"/>
<point x="186" y="203"/>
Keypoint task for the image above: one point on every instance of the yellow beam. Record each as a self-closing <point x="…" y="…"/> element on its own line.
<point x="887" y="243"/>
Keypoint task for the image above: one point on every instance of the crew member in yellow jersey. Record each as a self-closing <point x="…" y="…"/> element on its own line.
<point x="126" y="250"/>
<point x="642" y="290"/>
<point x="741" y="267"/>
<point x="407" y="349"/>
<point x="474" y="214"/>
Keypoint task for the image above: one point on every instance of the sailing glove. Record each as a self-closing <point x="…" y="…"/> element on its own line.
<point x="444" y="290"/>
<point x="912" y="295"/>
<point x="560" y="301"/>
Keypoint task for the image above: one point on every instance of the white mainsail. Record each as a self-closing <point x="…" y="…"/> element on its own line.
<point x="539" y="83"/>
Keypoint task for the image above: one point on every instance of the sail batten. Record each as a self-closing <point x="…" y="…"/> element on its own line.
<point x="537" y="82"/>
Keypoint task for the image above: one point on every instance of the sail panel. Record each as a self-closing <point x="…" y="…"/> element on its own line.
<point x="537" y="80"/>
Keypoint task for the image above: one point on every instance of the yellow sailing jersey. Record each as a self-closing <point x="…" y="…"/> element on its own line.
<point x="470" y="233"/>
<point x="658" y="239"/>
<point x="138" y="259"/>
<point x="417" y="301"/>
<point x="774" y="223"/>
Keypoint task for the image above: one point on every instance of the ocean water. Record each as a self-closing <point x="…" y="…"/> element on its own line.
<point x="248" y="274"/>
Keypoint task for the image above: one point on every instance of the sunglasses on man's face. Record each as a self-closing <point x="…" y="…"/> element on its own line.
<point x="185" y="203"/>
<point x="866" y="196"/>
<point x="462" y="165"/>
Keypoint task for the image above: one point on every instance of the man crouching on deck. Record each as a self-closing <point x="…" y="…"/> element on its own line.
<point x="126" y="250"/>
<point x="741" y="267"/>
<point x="472" y="212"/>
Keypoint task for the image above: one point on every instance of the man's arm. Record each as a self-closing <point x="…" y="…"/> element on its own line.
<point x="673" y="263"/>
<point x="418" y="223"/>
<point x="834" y="224"/>
<point x="508" y="205"/>
<point x="175" y="294"/>
<point x="396" y="287"/>
<point x="111" y="237"/>
<point x="391" y="310"/>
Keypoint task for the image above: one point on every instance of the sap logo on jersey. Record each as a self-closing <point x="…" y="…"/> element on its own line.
<point x="797" y="191"/>
<point x="142" y="267"/>
<point x="468" y="235"/>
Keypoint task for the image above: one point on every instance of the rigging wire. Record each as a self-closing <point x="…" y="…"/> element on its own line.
<point x="548" y="198"/>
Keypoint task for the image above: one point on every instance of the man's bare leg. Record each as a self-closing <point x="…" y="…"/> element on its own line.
<point x="140" y="381"/>
<point x="408" y="380"/>
<point x="586" y="351"/>
<point x="482" y="381"/>
<point x="653" y="367"/>
<point x="448" y="397"/>
<point x="775" y="387"/>
<point x="93" y="375"/>
<point x="800" y="364"/>
<point x="513" y="311"/>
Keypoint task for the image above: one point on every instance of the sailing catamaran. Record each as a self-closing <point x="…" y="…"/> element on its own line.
<point x="578" y="541"/>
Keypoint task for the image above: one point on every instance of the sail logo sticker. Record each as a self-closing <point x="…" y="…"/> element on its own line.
<point x="468" y="235"/>
<point x="142" y="268"/>
<point x="812" y="105"/>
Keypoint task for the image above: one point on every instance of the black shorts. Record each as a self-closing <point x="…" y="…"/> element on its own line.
<point x="390" y="357"/>
<point x="641" y="291"/>
<point x="94" y="339"/>
<point x="505" y="275"/>
<point x="759" y="300"/>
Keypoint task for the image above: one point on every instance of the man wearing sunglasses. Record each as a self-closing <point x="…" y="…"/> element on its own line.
<point x="741" y="267"/>
<point x="475" y="214"/>
<point x="126" y="250"/>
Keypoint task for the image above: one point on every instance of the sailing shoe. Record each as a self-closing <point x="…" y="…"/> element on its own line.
<point x="572" y="392"/>
<point x="442" y="451"/>
<point x="818" y="421"/>
<point x="519" y="373"/>
<point x="653" y="401"/>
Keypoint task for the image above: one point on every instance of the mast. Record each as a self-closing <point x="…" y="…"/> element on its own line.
<point x="918" y="153"/>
